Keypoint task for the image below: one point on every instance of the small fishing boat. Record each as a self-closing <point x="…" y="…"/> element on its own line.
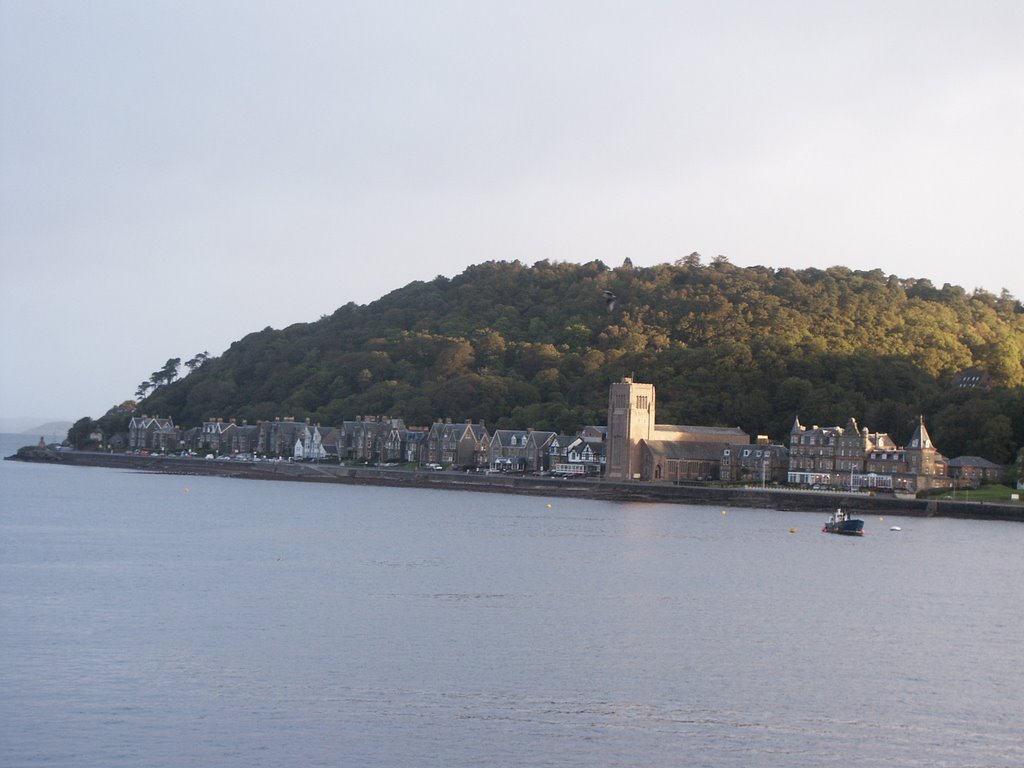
<point x="841" y="523"/>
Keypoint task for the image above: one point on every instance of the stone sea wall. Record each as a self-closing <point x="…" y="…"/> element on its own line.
<point x="821" y="502"/>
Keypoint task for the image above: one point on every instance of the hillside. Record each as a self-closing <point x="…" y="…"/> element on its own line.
<point x="519" y="345"/>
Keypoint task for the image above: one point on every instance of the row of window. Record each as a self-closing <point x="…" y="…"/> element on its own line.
<point x="746" y="453"/>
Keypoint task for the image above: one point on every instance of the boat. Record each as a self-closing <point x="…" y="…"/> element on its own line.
<point x="841" y="523"/>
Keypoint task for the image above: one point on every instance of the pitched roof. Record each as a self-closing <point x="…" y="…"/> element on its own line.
<point x="921" y="438"/>
<point x="690" y="433"/>
<point x="540" y="439"/>
<point x="504" y="436"/>
<point x="685" y="450"/>
<point x="973" y="461"/>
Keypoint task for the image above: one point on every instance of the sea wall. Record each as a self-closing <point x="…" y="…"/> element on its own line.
<point x="766" y="498"/>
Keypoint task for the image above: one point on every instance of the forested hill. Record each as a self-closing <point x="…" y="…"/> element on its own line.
<point x="519" y="345"/>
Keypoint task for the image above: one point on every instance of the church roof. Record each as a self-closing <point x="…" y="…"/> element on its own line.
<point x="685" y="450"/>
<point x="689" y="429"/>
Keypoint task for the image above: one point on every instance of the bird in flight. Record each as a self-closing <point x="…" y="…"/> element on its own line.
<point x="609" y="300"/>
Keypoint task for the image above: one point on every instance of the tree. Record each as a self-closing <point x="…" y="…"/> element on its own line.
<point x="197" y="361"/>
<point x="167" y="374"/>
<point x="78" y="435"/>
<point x="143" y="389"/>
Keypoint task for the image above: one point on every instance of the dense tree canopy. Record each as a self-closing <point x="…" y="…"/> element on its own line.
<point x="519" y="345"/>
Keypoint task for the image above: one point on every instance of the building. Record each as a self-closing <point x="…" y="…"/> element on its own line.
<point x="506" y="450"/>
<point x="974" y="471"/>
<point x="761" y="463"/>
<point x="630" y="420"/>
<point x="142" y="431"/>
<point x="855" y="459"/>
<point x="667" y="461"/>
<point x="456" y="445"/>
<point x="638" y="448"/>
<point x="216" y="436"/>
<point x="277" y="437"/>
<point x="838" y="456"/>
<point x="970" y="378"/>
<point x="370" y="440"/>
<point x="309" y="444"/>
<point x="577" y="455"/>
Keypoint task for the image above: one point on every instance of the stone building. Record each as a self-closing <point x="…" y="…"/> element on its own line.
<point x="638" y="448"/>
<point x="855" y="459"/>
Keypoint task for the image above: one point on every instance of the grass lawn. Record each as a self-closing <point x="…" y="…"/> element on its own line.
<point x="995" y="493"/>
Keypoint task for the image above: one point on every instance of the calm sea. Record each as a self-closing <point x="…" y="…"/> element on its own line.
<point x="155" y="620"/>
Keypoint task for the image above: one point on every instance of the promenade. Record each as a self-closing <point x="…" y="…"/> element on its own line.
<point x="821" y="502"/>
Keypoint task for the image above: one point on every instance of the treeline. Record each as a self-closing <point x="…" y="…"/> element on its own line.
<point x="520" y="346"/>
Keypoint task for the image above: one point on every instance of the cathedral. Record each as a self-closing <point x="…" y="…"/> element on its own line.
<point x="639" y="448"/>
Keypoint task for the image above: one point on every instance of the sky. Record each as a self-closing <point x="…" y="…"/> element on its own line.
<point x="175" y="175"/>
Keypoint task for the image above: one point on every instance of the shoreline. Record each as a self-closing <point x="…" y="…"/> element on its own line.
<point x="767" y="498"/>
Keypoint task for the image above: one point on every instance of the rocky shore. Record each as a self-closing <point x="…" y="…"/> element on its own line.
<point x="764" y="498"/>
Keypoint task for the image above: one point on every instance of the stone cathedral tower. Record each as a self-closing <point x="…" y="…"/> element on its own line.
<point x="630" y="420"/>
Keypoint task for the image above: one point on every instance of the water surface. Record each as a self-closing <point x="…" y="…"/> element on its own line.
<point x="193" y="621"/>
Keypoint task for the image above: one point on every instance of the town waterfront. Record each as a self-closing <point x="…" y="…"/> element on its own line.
<point x="168" y="620"/>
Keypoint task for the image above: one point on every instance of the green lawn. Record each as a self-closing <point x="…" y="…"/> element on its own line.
<point x="999" y="493"/>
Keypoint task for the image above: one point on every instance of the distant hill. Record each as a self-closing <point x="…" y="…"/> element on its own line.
<point x="49" y="429"/>
<point x="517" y="346"/>
<point x="28" y="425"/>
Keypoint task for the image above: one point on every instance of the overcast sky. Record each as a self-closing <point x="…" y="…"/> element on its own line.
<point x="178" y="174"/>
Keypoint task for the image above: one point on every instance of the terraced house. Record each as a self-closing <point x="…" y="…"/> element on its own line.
<point x="459" y="445"/>
<point x="151" y="433"/>
<point x="519" y="450"/>
<point x="578" y="455"/>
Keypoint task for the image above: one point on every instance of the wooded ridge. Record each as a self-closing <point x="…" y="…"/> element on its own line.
<point x="537" y="346"/>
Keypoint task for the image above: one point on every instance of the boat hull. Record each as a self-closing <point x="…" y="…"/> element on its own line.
<point x="845" y="528"/>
